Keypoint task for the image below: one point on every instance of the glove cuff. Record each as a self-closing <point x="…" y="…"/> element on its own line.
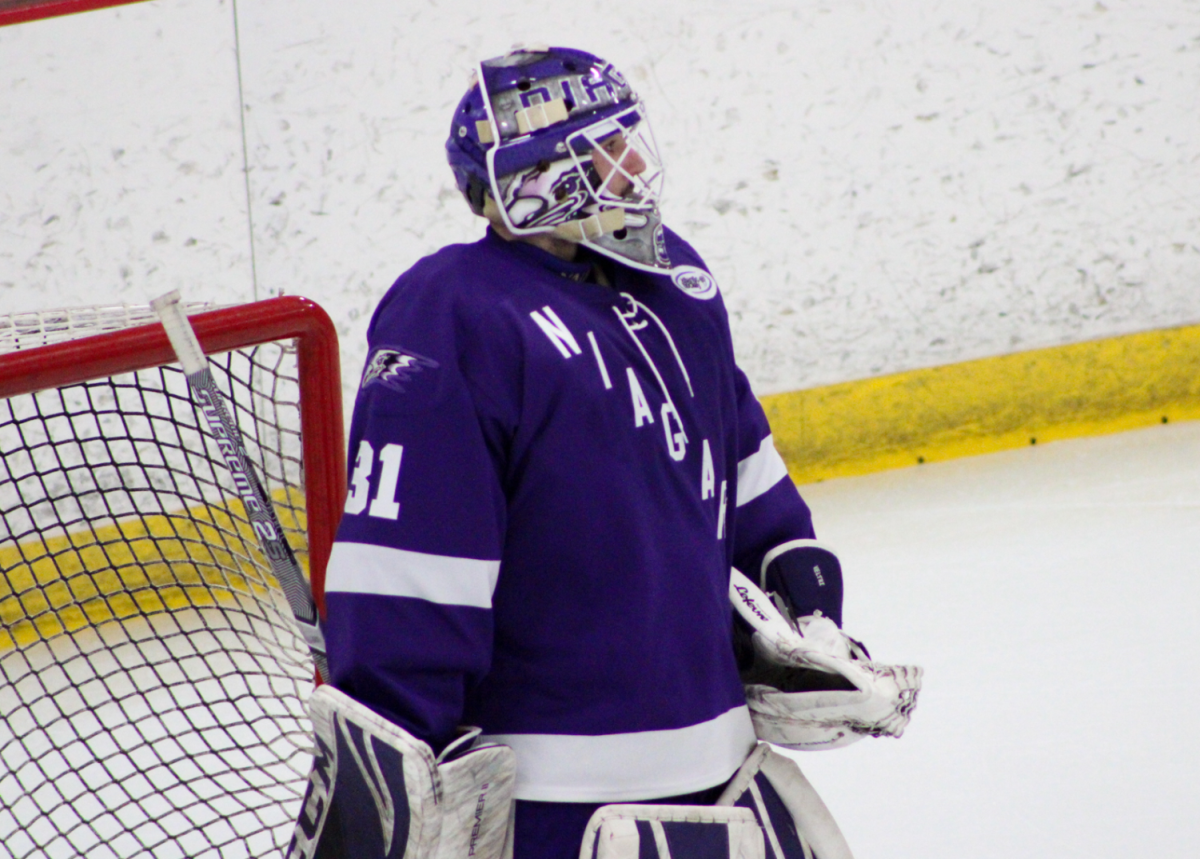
<point x="808" y="576"/>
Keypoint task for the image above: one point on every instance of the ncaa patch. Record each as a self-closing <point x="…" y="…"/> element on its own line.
<point x="394" y="368"/>
<point x="694" y="281"/>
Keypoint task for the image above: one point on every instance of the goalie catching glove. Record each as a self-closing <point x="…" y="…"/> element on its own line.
<point x="813" y="687"/>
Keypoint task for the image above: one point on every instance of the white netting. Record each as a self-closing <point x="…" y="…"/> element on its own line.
<point x="152" y="685"/>
<point x="43" y="327"/>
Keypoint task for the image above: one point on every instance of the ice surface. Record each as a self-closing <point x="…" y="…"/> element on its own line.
<point x="1052" y="594"/>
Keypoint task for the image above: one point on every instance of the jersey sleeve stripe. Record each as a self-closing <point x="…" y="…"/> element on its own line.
<point x="759" y="472"/>
<point x="624" y="767"/>
<point x="362" y="568"/>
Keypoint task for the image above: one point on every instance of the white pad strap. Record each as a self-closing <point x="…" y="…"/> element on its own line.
<point x="656" y="831"/>
<point x="818" y="831"/>
<point x="539" y="116"/>
<point x="591" y="227"/>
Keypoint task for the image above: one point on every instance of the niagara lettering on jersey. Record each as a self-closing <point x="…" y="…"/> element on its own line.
<point x="550" y="479"/>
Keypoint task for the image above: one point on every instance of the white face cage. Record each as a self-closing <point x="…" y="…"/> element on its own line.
<point x="621" y="151"/>
<point x="600" y="186"/>
<point x="611" y="164"/>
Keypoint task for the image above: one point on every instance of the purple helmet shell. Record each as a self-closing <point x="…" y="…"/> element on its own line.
<point x="527" y="138"/>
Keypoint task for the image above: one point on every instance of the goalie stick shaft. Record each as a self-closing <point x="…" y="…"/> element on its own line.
<point x="764" y="618"/>
<point x="756" y="609"/>
<point x="259" y="510"/>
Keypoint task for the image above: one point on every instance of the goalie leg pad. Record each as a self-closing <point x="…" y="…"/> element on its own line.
<point x="477" y="802"/>
<point x="672" y="832"/>
<point x="796" y="823"/>
<point x="371" y="790"/>
<point x="377" y="792"/>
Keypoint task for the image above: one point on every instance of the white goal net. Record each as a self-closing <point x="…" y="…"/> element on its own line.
<point x="152" y="684"/>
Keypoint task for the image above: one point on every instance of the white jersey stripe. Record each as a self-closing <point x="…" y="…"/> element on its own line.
<point x="600" y="361"/>
<point x="759" y="471"/>
<point x="361" y="568"/>
<point x="624" y="767"/>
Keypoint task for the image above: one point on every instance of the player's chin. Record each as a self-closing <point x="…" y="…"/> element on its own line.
<point x="625" y="198"/>
<point x="620" y="189"/>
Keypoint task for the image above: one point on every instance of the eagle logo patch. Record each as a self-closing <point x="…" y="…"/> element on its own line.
<point x="394" y="368"/>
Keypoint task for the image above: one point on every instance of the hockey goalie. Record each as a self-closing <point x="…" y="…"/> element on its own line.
<point x="556" y="468"/>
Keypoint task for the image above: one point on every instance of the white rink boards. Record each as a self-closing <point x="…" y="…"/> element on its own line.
<point x="877" y="186"/>
<point x="1052" y="594"/>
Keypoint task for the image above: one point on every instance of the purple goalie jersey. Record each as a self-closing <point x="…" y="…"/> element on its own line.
<point x="550" y="479"/>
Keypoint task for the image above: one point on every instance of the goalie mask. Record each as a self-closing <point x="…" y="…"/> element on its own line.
<point x="560" y="143"/>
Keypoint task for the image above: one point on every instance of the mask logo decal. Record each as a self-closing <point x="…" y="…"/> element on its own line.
<point x="660" y="247"/>
<point x="542" y="198"/>
<point x="694" y="281"/>
<point x="394" y="368"/>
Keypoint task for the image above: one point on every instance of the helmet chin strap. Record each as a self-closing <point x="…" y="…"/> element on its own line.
<point x="578" y="231"/>
<point x="596" y="232"/>
<point x="640" y="245"/>
<point x="592" y="227"/>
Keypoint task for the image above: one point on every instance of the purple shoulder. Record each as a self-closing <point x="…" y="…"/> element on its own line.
<point x="439" y="282"/>
<point x="688" y="273"/>
<point x="680" y="252"/>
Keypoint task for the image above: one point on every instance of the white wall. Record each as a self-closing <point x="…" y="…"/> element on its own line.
<point x="877" y="185"/>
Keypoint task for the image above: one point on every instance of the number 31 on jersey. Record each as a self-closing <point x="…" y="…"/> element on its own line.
<point x="384" y="504"/>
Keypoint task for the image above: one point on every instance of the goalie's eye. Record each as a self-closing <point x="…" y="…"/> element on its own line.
<point x="613" y="146"/>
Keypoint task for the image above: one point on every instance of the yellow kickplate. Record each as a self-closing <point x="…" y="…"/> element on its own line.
<point x="205" y="557"/>
<point x="987" y="405"/>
